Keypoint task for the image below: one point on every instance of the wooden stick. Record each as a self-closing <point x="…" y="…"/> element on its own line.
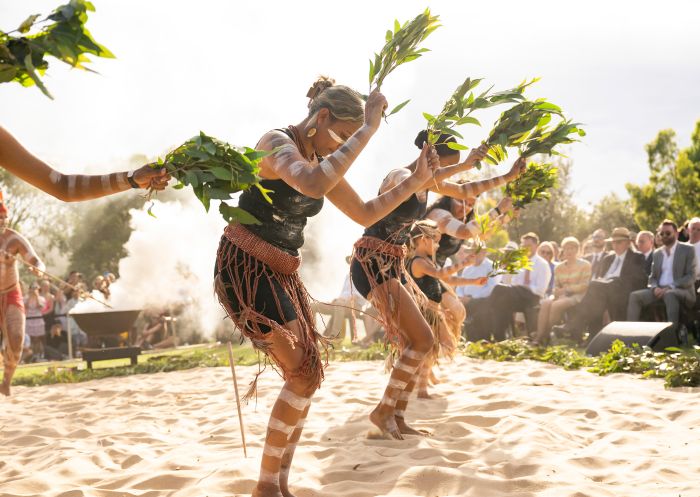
<point x="238" y="400"/>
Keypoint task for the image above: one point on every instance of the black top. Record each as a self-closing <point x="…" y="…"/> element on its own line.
<point x="396" y="226"/>
<point x="429" y="285"/>
<point x="284" y="220"/>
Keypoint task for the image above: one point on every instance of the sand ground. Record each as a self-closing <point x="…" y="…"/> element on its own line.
<point x="499" y="429"/>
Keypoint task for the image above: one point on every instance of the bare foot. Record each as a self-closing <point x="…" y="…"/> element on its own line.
<point x="386" y="423"/>
<point x="423" y="394"/>
<point x="266" y="490"/>
<point x="5" y="389"/>
<point x="407" y="430"/>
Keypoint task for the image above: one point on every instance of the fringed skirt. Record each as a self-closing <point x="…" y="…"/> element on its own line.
<point x="375" y="262"/>
<point x="444" y="344"/>
<point x="259" y="287"/>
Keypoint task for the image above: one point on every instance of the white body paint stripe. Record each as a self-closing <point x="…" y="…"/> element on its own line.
<point x="394" y="383"/>
<point x="405" y="367"/>
<point x="269" y="477"/>
<point x="278" y="425"/>
<point x="412" y="354"/>
<point x="296" y="401"/>
<point x="272" y="451"/>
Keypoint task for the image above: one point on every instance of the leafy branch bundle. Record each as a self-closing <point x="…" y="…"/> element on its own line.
<point x="458" y="109"/>
<point x="509" y="261"/>
<point x="23" y="58"/>
<point x="401" y="47"/>
<point x="517" y="124"/>
<point x="533" y="184"/>
<point x="216" y="170"/>
<point x="543" y="140"/>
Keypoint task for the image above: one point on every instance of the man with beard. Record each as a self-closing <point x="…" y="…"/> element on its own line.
<point x="672" y="277"/>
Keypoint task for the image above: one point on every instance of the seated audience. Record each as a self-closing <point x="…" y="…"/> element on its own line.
<point x="598" y="250"/>
<point x="619" y="274"/>
<point x="547" y="252"/>
<point x="525" y="291"/>
<point x="571" y="279"/>
<point x="672" y="277"/>
<point x="645" y="246"/>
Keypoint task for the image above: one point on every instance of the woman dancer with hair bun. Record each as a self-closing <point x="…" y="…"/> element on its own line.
<point x="425" y="238"/>
<point x="378" y="273"/>
<point x="256" y="275"/>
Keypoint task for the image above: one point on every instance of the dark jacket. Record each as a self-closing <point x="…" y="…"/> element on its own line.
<point x="633" y="275"/>
<point x="595" y="266"/>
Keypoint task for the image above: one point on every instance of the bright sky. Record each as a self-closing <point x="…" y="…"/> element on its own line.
<point x="233" y="69"/>
<point x="236" y="69"/>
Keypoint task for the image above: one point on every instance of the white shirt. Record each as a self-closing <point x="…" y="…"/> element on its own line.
<point x="616" y="267"/>
<point x="697" y="260"/>
<point x="476" y="291"/>
<point x="666" y="277"/>
<point x="540" y="274"/>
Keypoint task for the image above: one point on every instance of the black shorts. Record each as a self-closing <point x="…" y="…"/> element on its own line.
<point x="264" y="301"/>
<point x="382" y="268"/>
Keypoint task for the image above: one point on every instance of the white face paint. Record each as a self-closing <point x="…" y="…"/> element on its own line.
<point x="335" y="137"/>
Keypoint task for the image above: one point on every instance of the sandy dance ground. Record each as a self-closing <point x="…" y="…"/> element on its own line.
<point x="499" y="429"/>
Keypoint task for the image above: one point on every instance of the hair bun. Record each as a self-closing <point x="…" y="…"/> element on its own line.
<point x="318" y="87"/>
<point x="421" y="138"/>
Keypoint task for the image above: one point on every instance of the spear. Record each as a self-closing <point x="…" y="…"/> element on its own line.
<point x="238" y="400"/>
<point x="55" y="278"/>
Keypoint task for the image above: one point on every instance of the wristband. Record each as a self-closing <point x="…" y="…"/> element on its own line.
<point x="131" y="180"/>
<point x="498" y="211"/>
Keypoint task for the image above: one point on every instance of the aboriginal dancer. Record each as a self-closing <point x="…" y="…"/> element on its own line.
<point x="256" y="276"/>
<point x="12" y="313"/>
<point x="425" y="239"/>
<point x="379" y="274"/>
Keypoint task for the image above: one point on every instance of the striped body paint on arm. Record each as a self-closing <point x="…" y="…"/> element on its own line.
<point x="89" y="186"/>
<point x="308" y="177"/>
<point x="452" y="226"/>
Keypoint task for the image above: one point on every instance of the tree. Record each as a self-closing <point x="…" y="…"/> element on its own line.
<point x="100" y="234"/>
<point x="612" y="212"/>
<point x="673" y="190"/>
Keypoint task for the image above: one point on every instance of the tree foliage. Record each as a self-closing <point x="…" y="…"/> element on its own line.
<point x="673" y="190"/>
<point x="23" y="58"/>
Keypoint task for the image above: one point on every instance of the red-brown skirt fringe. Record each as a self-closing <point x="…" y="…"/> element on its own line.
<point x="241" y="260"/>
<point x="391" y="257"/>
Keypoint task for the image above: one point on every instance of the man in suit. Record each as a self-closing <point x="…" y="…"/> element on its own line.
<point x="619" y="274"/>
<point x="645" y="246"/>
<point x="672" y="277"/>
<point x="599" y="252"/>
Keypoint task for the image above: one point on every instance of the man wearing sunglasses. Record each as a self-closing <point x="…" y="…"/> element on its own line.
<point x="672" y="277"/>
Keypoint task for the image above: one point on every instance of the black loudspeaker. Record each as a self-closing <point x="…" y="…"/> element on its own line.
<point x="655" y="335"/>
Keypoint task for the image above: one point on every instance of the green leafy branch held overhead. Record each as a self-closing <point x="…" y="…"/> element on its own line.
<point x="463" y="102"/>
<point x="401" y="47"/>
<point x="216" y="170"/>
<point x="533" y="184"/>
<point x="509" y="261"/>
<point x="23" y="59"/>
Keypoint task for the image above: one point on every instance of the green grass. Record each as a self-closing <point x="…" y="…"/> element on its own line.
<point x="678" y="368"/>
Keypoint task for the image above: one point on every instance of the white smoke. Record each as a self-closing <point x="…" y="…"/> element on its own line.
<point x="170" y="262"/>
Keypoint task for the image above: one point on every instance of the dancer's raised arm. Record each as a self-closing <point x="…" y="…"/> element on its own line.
<point x="403" y="185"/>
<point x="450" y="225"/>
<point x="295" y="165"/>
<point x="72" y="187"/>
<point x="474" y="188"/>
